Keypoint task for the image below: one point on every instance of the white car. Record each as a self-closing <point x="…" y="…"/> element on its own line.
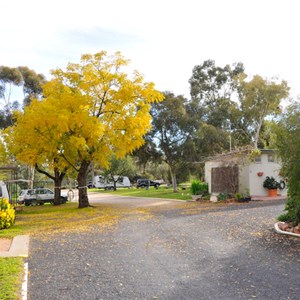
<point x="38" y="196"/>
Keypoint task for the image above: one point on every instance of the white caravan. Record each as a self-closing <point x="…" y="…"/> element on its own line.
<point x="102" y="182"/>
<point x="3" y="190"/>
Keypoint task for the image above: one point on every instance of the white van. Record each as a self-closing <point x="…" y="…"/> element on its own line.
<point x="4" y="191"/>
<point x="102" y="182"/>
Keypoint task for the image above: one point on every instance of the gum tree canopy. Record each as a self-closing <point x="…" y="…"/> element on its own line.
<point x="91" y="112"/>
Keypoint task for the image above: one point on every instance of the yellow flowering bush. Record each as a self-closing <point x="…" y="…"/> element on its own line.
<point x="7" y="214"/>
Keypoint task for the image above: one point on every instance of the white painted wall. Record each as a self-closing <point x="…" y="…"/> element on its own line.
<point x="270" y="169"/>
<point x="249" y="181"/>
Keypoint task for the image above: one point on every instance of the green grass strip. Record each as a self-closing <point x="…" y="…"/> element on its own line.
<point x="11" y="272"/>
<point x="161" y="192"/>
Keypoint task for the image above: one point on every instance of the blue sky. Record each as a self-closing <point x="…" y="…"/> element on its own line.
<point x="164" y="39"/>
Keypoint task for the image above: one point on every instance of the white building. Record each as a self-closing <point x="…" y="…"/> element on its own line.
<point x="242" y="174"/>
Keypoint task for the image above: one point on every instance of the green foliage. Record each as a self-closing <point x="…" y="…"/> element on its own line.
<point x="253" y="154"/>
<point x="7" y="214"/>
<point x="11" y="78"/>
<point x="199" y="188"/>
<point x="170" y="128"/>
<point x="288" y="144"/>
<point x="259" y="98"/>
<point x="206" y="197"/>
<point x="292" y="214"/>
<point x="271" y="183"/>
<point x="211" y="89"/>
<point x="237" y="196"/>
<point x="285" y="217"/>
<point x="122" y="167"/>
<point x="223" y="196"/>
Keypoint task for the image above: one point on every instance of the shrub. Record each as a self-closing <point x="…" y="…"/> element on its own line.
<point x="292" y="208"/>
<point x="7" y="214"/>
<point x="206" y="197"/>
<point x="237" y="196"/>
<point x="223" y="196"/>
<point x="284" y="218"/>
<point x="199" y="188"/>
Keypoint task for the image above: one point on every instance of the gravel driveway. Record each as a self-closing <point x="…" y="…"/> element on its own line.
<point x="171" y="251"/>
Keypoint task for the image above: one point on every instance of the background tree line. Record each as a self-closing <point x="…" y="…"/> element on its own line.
<point x="86" y="114"/>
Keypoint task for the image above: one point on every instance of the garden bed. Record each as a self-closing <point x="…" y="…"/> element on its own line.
<point x="287" y="228"/>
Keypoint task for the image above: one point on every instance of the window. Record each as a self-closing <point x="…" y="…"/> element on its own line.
<point x="257" y="159"/>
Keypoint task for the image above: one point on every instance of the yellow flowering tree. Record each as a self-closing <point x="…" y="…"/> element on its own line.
<point x="91" y="111"/>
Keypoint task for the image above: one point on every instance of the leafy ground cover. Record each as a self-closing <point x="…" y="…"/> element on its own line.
<point x="161" y="192"/>
<point x="47" y="218"/>
<point x="11" y="270"/>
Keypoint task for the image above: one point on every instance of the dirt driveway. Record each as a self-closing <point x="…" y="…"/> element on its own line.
<point x="170" y="250"/>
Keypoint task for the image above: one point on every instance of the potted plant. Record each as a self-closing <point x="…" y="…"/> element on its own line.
<point x="272" y="185"/>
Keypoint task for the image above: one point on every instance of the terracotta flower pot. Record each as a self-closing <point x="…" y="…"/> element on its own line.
<point x="272" y="192"/>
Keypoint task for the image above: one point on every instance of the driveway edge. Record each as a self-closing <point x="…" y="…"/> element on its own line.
<point x="19" y="247"/>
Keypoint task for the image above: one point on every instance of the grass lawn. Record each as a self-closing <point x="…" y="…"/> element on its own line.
<point x="11" y="272"/>
<point x="161" y="192"/>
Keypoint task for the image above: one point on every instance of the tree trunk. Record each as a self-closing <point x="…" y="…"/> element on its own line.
<point x="257" y="132"/>
<point x="256" y="137"/>
<point x="31" y="176"/>
<point x="83" y="200"/>
<point x="57" y="186"/>
<point x="57" y="178"/>
<point x="115" y="182"/>
<point x="174" y="180"/>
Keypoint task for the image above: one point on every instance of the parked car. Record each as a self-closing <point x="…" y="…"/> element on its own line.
<point x="141" y="183"/>
<point x="38" y="196"/>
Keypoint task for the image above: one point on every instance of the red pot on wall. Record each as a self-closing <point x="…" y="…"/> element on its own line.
<point x="260" y="174"/>
<point x="272" y="192"/>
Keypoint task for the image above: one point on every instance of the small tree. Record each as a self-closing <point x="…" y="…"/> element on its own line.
<point x="170" y="124"/>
